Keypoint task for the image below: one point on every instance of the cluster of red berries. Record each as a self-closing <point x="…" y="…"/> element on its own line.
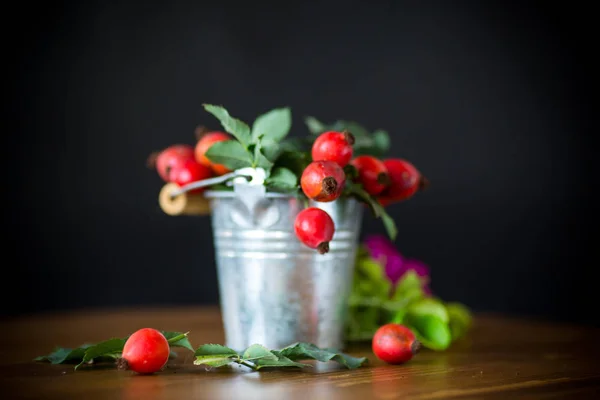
<point x="323" y="180"/>
<point x="183" y="163"/>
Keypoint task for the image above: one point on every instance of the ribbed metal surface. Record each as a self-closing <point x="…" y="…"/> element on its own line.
<point x="274" y="290"/>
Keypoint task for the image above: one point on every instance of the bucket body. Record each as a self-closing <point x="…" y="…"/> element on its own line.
<point x="273" y="289"/>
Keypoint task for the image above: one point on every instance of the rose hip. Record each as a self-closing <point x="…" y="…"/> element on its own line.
<point x="169" y="158"/>
<point x="333" y="146"/>
<point x="146" y="351"/>
<point x="372" y="174"/>
<point x="205" y="141"/>
<point x="405" y="181"/>
<point x="188" y="172"/>
<point x="315" y="228"/>
<point x="323" y="181"/>
<point x="395" y="344"/>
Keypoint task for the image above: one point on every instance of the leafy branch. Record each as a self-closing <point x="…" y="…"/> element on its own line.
<point x="356" y="190"/>
<point x="257" y="357"/>
<point x="374" y="301"/>
<point x="256" y="147"/>
<point x="108" y="350"/>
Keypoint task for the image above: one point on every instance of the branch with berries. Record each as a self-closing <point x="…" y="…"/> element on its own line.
<point x="338" y="160"/>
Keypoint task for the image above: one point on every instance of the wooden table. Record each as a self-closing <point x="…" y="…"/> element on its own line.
<point x="502" y="358"/>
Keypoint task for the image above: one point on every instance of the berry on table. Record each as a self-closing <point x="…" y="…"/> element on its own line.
<point x="395" y="344"/>
<point x="333" y="146"/>
<point x="146" y="351"/>
<point x="315" y="228"/>
<point x="323" y="181"/>
<point x="372" y="174"/>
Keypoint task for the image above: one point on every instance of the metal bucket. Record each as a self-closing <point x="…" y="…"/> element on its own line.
<point x="274" y="290"/>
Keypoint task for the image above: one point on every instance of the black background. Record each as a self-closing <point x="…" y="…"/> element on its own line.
<point x="490" y="100"/>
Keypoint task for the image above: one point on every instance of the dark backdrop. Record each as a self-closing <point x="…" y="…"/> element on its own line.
<point x="490" y="101"/>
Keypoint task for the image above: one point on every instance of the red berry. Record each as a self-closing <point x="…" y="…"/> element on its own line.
<point x="188" y="172"/>
<point x="171" y="157"/>
<point x="315" y="228"/>
<point x="405" y="181"/>
<point x="202" y="146"/>
<point x="372" y="174"/>
<point x="323" y="181"/>
<point x="146" y="351"/>
<point x="395" y="344"/>
<point x="333" y="146"/>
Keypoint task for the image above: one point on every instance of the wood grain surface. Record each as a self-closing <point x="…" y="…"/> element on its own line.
<point x="501" y="358"/>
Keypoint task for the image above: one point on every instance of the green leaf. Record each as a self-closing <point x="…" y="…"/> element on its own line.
<point x="431" y="331"/>
<point x="266" y="152"/>
<point x="297" y="144"/>
<point x="282" y="178"/>
<point x="63" y="355"/>
<point x="256" y="352"/>
<point x="389" y="224"/>
<point x="399" y="312"/>
<point x="240" y="130"/>
<point x="308" y="351"/>
<point x="315" y="126"/>
<point x="270" y="149"/>
<point x="377" y="209"/>
<point x="368" y="318"/>
<point x="371" y="272"/>
<point x="214" y="355"/>
<point x="357" y="130"/>
<point x="408" y="285"/>
<point x="274" y="125"/>
<point x="381" y="142"/>
<point x="178" y="339"/>
<point x="429" y="319"/>
<point x="111" y="348"/>
<point x="231" y="154"/>
<point x="213" y="361"/>
<point x="260" y="160"/>
<point x="293" y="161"/>
<point x="429" y="306"/>
<point x="214" y="350"/>
<point x="460" y="319"/>
<point x="279" y="362"/>
<point x="369" y="269"/>
<point x="356" y="190"/>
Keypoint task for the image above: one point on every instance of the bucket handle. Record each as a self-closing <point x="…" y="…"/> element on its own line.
<point x="255" y="177"/>
<point x="209" y="182"/>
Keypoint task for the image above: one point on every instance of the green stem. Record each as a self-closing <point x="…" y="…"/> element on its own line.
<point x="245" y="363"/>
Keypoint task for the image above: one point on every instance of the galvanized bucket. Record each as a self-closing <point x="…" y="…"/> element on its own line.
<point x="274" y="290"/>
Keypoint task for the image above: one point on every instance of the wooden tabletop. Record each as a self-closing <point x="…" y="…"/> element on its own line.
<point x="501" y="358"/>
